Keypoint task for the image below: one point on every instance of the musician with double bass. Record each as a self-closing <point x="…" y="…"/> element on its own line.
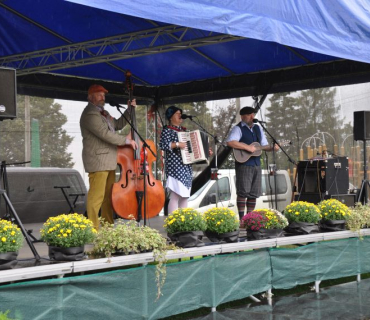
<point x="99" y="153"/>
<point x="179" y="175"/>
<point x="248" y="174"/>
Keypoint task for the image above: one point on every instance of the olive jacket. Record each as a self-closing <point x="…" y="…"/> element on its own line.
<point x="99" y="152"/>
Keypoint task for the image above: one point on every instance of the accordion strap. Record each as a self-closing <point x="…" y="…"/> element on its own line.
<point x="178" y="129"/>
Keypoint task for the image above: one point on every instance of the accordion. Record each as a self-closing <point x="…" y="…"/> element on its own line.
<point x="196" y="149"/>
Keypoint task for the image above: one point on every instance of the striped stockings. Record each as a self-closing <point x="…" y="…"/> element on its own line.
<point x="240" y="203"/>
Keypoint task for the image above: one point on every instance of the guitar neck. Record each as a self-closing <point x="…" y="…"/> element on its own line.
<point x="268" y="147"/>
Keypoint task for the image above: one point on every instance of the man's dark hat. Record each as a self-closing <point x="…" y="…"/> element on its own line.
<point x="171" y="111"/>
<point x="247" y="110"/>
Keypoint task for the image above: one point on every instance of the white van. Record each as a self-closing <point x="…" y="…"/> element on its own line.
<point x="33" y="194"/>
<point x="205" y="198"/>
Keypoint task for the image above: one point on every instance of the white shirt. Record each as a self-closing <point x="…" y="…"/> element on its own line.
<point x="236" y="134"/>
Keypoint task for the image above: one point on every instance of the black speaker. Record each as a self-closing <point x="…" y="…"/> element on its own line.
<point x="326" y="176"/>
<point x="348" y="199"/>
<point x="361" y="125"/>
<point x="8" y="94"/>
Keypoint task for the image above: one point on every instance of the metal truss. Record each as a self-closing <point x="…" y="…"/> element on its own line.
<point x="125" y="46"/>
<point x="153" y="129"/>
<point x="151" y="126"/>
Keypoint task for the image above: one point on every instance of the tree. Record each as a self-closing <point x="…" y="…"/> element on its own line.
<point x="54" y="140"/>
<point x="200" y="113"/>
<point x="283" y="124"/>
<point x="298" y="117"/>
<point x="225" y="118"/>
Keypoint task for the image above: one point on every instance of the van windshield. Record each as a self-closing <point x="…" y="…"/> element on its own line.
<point x="197" y="193"/>
<point x="268" y="184"/>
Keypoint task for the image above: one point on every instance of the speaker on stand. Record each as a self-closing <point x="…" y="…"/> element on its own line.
<point x="361" y="131"/>
<point x="8" y="94"/>
<point x="361" y="125"/>
<point x="8" y="110"/>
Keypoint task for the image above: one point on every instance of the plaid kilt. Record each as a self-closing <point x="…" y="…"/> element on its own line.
<point x="248" y="181"/>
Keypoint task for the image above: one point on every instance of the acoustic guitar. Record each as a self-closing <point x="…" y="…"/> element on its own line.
<point x="242" y="156"/>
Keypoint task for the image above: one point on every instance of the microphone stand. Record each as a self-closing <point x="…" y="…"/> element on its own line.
<point x="214" y="171"/>
<point x="273" y="167"/>
<point x="145" y="146"/>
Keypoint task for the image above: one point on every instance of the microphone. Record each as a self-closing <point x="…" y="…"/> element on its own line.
<point x="115" y="104"/>
<point x="185" y="116"/>
<point x="256" y="120"/>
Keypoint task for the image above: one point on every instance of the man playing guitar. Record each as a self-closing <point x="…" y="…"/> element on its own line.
<point x="248" y="174"/>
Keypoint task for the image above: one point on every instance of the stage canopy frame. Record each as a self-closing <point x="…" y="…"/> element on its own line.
<point x="183" y="51"/>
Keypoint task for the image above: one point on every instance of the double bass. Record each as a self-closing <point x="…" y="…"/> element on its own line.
<point x="137" y="194"/>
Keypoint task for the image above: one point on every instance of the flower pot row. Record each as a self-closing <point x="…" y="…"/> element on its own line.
<point x="220" y="225"/>
<point x="188" y="239"/>
<point x="306" y="218"/>
<point x="186" y="227"/>
<point x="67" y="234"/>
<point x="298" y="218"/>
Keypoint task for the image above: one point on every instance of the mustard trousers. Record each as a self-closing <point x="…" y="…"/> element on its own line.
<point x="99" y="196"/>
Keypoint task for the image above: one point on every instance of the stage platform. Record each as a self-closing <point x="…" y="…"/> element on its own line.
<point x="264" y="263"/>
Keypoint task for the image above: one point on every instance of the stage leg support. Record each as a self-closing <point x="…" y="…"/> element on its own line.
<point x="254" y="299"/>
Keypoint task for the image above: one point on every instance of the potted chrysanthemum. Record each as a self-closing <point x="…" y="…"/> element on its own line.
<point x="264" y="224"/>
<point x="359" y="217"/>
<point x="222" y="225"/>
<point x="11" y="240"/>
<point x="303" y="218"/>
<point x="185" y="227"/>
<point x="66" y="236"/>
<point x="127" y="237"/>
<point x="333" y="215"/>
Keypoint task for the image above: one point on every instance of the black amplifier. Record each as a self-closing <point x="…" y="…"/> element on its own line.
<point x="323" y="176"/>
<point x="348" y="199"/>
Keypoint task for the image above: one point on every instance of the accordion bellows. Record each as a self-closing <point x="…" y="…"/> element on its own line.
<point x="196" y="149"/>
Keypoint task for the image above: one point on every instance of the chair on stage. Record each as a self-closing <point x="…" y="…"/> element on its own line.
<point x="71" y="198"/>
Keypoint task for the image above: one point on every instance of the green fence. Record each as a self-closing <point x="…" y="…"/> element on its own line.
<point x="208" y="282"/>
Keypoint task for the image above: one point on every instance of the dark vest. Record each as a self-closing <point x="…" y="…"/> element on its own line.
<point x="248" y="137"/>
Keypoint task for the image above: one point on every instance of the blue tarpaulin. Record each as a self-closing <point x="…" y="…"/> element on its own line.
<point x="186" y="49"/>
<point x="340" y="28"/>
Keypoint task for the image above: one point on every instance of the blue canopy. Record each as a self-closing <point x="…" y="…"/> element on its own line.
<point x="340" y="28"/>
<point x="184" y="50"/>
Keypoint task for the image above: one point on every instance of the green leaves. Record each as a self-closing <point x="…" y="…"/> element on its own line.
<point x="221" y="220"/>
<point x="185" y="219"/>
<point x="302" y="211"/>
<point x="264" y="218"/>
<point x="359" y="217"/>
<point x="11" y="238"/>
<point x="68" y="230"/>
<point x="127" y="238"/>
<point x="333" y="209"/>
